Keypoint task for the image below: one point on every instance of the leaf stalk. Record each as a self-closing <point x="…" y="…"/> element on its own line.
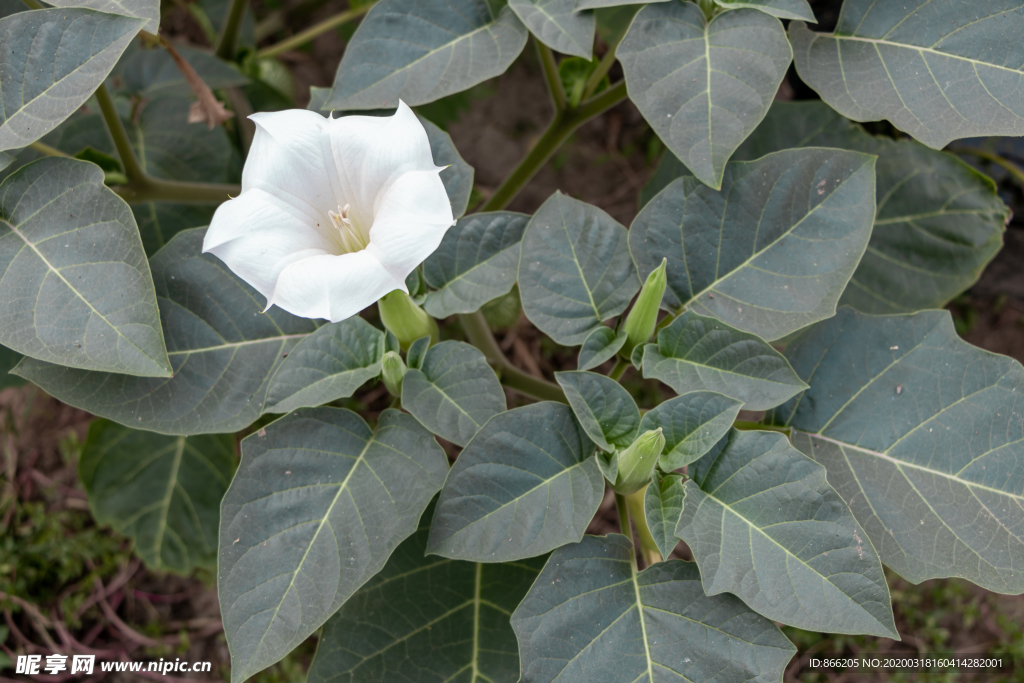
<point x="303" y="37"/>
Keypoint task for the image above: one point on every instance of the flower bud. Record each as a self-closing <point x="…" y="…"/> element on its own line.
<point x="407" y="321"/>
<point x="636" y="463"/>
<point x="393" y="372"/>
<point x="640" y="322"/>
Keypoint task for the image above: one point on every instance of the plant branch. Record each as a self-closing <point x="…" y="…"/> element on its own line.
<point x="1004" y="163"/>
<point x="648" y="546"/>
<point x="153" y="190"/>
<point x="551" y="76"/>
<point x="303" y="37"/>
<point x="558" y="131"/>
<point x="46" y="149"/>
<point x="479" y="335"/>
<point x="227" y="44"/>
<point x="115" y="126"/>
<point x="620" y="367"/>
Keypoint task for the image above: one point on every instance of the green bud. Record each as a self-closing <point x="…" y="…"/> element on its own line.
<point x="407" y="321"/>
<point x="393" y="371"/>
<point x="641" y="321"/>
<point x="636" y="463"/>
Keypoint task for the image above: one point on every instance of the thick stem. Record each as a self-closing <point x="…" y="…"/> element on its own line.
<point x="129" y="162"/>
<point x="561" y="127"/>
<point x="303" y="37"/>
<point x="620" y="367"/>
<point x="46" y="149"/>
<point x="623" y="510"/>
<point x="227" y="44"/>
<point x="648" y="547"/>
<point x="479" y="335"/>
<point x="153" y="190"/>
<point x="551" y="76"/>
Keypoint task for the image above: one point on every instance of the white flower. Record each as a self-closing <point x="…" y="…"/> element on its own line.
<point x="334" y="213"/>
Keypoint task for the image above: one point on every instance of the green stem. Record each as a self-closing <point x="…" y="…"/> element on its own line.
<point x="551" y="76"/>
<point x="46" y="149"/>
<point x="1007" y="165"/>
<point x="747" y="426"/>
<point x="561" y="127"/>
<point x="623" y="510"/>
<point x="479" y="335"/>
<point x="648" y="546"/>
<point x="115" y="126"/>
<point x="33" y="4"/>
<point x="227" y="44"/>
<point x="303" y="37"/>
<point x="153" y="190"/>
<point x="620" y="367"/>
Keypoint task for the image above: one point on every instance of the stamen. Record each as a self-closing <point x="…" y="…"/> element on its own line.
<point x="351" y="240"/>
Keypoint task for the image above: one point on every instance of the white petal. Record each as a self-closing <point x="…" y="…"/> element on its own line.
<point x="372" y="152"/>
<point x="258" y="235"/>
<point x="411" y="220"/>
<point x="289" y="158"/>
<point x="333" y="287"/>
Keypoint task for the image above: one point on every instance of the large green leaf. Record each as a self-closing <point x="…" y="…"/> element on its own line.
<point x="773" y="250"/>
<point x="223" y="350"/>
<point x="52" y="62"/>
<point x="921" y="434"/>
<point x="703" y="86"/>
<point x="937" y="224"/>
<point x="764" y="525"/>
<point x="75" y="287"/>
<point x="559" y="25"/>
<point x="940" y="70"/>
<point x="590" y="616"/>
<point x="784" y="9"/>
<point x="696" y="353"/>
<point x="141" y="9"/>
<point x="457" y="175"/>
<point x="574" y="269"/>
<point x="598" y="4"/>
<point x="162" y="491"/>
<point x="317" y="506"/>
<point x="8" y="359"/>
<point x="424" y="618"/>
<point x="663" y="504"/>
<point x="692" y="424"/>
<point x="526" y="484"/>
<point x="327" y="365"/>
<point x="422" y="51"/>
<point x="605" y="410"/>
<point x="453" y="392"/>
<point x="476" y="262"/>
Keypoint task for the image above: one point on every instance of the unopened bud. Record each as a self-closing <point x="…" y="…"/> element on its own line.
<point x="392" y="371"/>
<point x="407" y="321"/>
<point x="641" y="321"/>
<point x="636" y="463"/>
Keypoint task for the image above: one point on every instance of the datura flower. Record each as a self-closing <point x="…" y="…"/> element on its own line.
<point x="334" y="212"/>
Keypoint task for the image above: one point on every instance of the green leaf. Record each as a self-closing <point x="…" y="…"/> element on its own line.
<point x="417" y="352"/>
<point x="162" y="491"/>
<point x="526" y="484"/>
<point x="606" y="411"/>
<point x="141" y="9"/>
<point x="315" y="510"/>
<point x="692" y="423"/>
<point x="327" y="365"/>
<point x="454" y="392"/>
<point x="663" y="504"/>
<point x="921" y="434"/>
<point x="574" y="269"/>
<point x="783" y="9"/>
<point x="939" y="71"/>
<point x="597" y="4"/>
<point x="773" y="250"/>
<point x="476" y="262"/>
<point x="938" y="222"/>
<point x="703" y="86"/>
<point x="8" y="359"/>
<point x="422" y="51"/>
<point x="764" y="525"/>
<point x="559" y="25"/>
<point x="697" y="353"/>
<point x="75" y="287"/>
<point x="154" y="73"/>
<point x="457" y="175"/>
<point x="600" y="345"/>
<point x="53" y="60"/>
<point x="223" y="350"/>
<point x="591" y="616"/>
<point x="389" y="630"/>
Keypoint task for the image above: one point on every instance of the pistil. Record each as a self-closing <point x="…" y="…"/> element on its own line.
<point x="351" y="238"/>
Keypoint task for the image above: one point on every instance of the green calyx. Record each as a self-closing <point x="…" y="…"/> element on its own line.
<point x="393" y="371"/>
<point x="642" y="320"/>
<point x="636" y="463"/>
<point x="407" y="321"/>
